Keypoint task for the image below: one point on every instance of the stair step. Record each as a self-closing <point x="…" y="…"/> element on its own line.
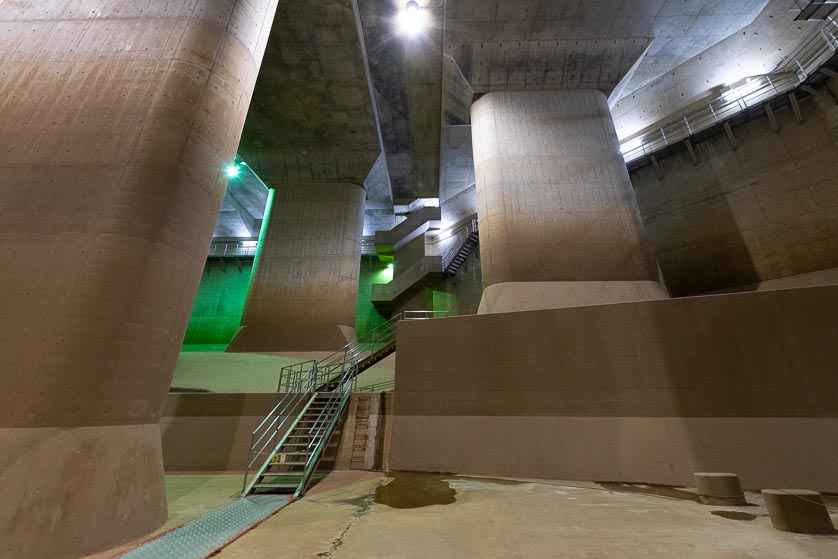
<point x="286" y="464"/>
<point x="276" y="486"/>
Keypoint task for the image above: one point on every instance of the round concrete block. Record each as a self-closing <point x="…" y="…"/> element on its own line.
<point x="720" y="489"/>
<point x="798" y="510"/>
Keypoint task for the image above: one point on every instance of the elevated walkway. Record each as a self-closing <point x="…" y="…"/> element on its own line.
<point x="798" y="73"/>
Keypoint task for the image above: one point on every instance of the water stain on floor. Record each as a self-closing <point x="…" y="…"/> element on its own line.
<point x="733" y="515"/>
<point x="646" y="489"/>
<point x="413" y="490"/>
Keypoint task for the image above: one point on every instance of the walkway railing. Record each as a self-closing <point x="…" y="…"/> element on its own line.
<point x="792" y="71"/>
<point x="229" y="249"/>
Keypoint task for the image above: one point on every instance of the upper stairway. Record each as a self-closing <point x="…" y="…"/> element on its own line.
<point x="463" y="241"/>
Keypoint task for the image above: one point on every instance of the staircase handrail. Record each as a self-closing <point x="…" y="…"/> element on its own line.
<point x="354" y="352"/>
<point x="341" y="397"/>
<point x="295" y="400"/>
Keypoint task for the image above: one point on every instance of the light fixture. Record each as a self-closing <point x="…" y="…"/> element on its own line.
<point x="249" y="243"/>
<point x="744" y="89"/>
<point x="233" y="171"/>
<point x="412" y="19"/>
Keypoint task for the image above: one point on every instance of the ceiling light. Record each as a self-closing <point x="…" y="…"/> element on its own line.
<point x="233" y="171"/>
<point x="412" y="19"/>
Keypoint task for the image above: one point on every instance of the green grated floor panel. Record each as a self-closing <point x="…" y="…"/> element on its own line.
<point x="201" y="537"/>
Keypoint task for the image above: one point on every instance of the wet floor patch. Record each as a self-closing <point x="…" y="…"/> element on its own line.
<point x="410" y="490"/>
<point x="646" y="489"/>
<point x="733" y="515"/>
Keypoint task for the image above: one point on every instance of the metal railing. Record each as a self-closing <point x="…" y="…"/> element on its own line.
<point x="383" y="386"/>
<point x="461" y="238"/>
<point x="229" y="249"/>
<point x="324" y="427"/>
<point x="792" y="71"/>
<point x="314" y="375"/>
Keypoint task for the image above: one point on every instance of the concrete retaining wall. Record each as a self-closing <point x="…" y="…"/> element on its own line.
<point x="646" y="392"/>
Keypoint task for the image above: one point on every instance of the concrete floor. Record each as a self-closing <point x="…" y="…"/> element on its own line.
<point x="345" y="518"/>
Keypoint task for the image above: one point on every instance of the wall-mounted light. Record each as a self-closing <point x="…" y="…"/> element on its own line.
<point x="232" y="171"/>
<point x="412" y="19"/>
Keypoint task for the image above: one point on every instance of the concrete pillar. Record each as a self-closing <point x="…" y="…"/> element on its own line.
<point x="305" y="283"/>
<point x="115" y="124"/>
<point x="555" y="204"/>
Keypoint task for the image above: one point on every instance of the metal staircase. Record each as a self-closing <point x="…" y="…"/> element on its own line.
<point x="290" y="448"/>
<point x="467" y="238"/>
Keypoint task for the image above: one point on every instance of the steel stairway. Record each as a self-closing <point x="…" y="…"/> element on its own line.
<point x="292" y="447"/>
<point x="467" y="239"/>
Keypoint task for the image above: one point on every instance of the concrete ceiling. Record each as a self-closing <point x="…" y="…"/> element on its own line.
<point x="311" y="118"/>
<point x="338" y="85"/>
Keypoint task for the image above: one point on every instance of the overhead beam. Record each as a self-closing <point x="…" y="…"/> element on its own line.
<point x="828" y="72"/>
<point x="819" y="93"/>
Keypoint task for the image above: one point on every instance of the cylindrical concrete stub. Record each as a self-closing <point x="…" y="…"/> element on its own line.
<point x="798" y="510"/>
<point x="716" y="488"/>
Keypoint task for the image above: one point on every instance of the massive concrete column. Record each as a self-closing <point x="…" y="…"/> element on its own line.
<point x="559" y="224"/>
<point x="304" y="289"/>
<point x="115" y="123"/>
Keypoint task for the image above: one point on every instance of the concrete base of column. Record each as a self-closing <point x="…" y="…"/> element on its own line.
<point x="798" y="510"/>
<point x="290" y="337"/>
<point x="69" y="492"/>
<point x="531" y="296"/>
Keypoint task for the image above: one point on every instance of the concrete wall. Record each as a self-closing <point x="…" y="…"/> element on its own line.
<point x="767" y="210"/>
<point x="211" y="432"/>
<point x="217" y="312"/>
<point x="643" y="392"/>
<point x="116" y="119"/>
<point x="305" y="285"/>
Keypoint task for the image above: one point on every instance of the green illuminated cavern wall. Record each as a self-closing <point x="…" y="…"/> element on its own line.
<point x="367" y="317"/>
<point x="218" y="307"/>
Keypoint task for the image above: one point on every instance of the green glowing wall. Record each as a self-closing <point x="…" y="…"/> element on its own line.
<point x="366" y="316"/>
<point x="218" y="307"/>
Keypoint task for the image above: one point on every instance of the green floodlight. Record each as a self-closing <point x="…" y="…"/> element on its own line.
<point x="233" y="171"/>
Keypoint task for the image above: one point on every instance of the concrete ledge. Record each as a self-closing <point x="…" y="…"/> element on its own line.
<point x="798" y="510"/>
<point x="532" y="296"/>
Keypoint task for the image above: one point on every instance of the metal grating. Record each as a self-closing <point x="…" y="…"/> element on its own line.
<point x="204" y="536"/>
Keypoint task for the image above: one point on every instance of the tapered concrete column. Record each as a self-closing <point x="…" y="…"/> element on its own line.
<point x="555" y="204"/>
<point x="115" y="124"/>
<point x="304" y="288"/>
